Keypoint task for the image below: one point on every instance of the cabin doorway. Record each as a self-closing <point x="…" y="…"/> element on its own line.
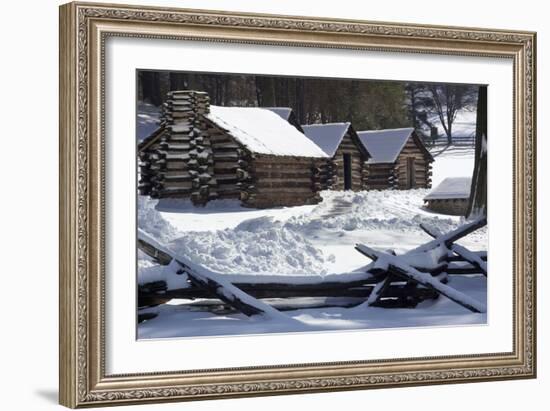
<point x="347" y="171"/>
<point x="411" y="174"/>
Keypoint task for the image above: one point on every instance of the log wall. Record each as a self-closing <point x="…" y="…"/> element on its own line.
<point x="379" y="176"/>
<point x="422" y="167"/>
<point x="280" y="181"/>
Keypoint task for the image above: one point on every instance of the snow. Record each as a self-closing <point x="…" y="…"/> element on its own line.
<point x="384" y="145"/>
<point x="147" y="120"/>
<point x="306" y="244"/>
<point x="226" y="237"/>
<point x="453" y="162"/>
<point x="259" y="245"/>
<point x="229" y="291"/>
<point x="327" y="136"/>
<point x="451" y="188"/>
<point x="182" y="318"/>
<point x="264" y="132"/>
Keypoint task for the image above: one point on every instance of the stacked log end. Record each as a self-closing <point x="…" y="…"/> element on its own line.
<point x="365" y="172"/>
<point x="246" y="178"/>
<point x="380" y="176"/>
<point x="394" y="177"/>
<point x="428" y="174"/>
<point x="180" y="163"/>
<point x="324" y="175"/>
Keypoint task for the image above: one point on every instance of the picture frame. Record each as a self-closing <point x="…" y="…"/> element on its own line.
<point x="84" y="30"/>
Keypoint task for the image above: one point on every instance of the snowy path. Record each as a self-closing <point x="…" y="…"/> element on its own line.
<point x="339" y="207"/>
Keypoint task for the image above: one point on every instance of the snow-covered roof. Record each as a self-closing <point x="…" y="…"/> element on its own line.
<point x="385" y="145"/>
<point x="283" y="112"/>
<point x="451" y="188"/>
<point x="327" y="136"/>
<point x="264" y="132"/>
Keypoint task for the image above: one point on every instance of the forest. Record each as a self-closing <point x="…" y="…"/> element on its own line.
<point x="368" y="104"/>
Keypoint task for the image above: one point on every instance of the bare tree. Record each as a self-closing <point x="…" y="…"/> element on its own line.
<point x="448" y="100"/>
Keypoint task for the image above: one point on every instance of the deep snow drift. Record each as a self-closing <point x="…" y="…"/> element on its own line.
<point x="299" y="240"/>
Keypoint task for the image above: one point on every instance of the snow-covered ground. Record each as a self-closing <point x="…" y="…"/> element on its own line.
<point x="314" y="240"/>
<point x="147" y="120"/>
<point x="182" y="318"/>
<point x="452" y="162"/>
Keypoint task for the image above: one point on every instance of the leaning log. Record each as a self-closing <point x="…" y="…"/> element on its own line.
<point x="463" y="252"/>
<point x="452" y="236"/>
<point x="400" y="268"/>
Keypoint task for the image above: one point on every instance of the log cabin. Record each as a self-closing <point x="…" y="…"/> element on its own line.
<point x="205" y="152"/>
<point x="347" y="155"/>
<point x="450" y="197"/>
<point x="399" y="160"/>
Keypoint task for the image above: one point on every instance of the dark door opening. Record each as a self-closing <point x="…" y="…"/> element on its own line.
<point x="347" y="171"/>
<point x="411" y="173"/>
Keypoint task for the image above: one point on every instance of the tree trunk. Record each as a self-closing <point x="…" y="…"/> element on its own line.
<point x="449" y="132"/>
<point x="300" y="101"/>
<point x="477" y="205"/>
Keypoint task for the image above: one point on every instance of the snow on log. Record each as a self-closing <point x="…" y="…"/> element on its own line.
<point x="462" y="251"/>
<point x="222" y="288"/>
<point x="399" y="267"/>
<point x="162" y="257"/>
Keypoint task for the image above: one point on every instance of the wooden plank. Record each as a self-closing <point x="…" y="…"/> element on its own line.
<point x="291" y="174"/>
<point x="174" y="192"/>
<point x="230" y="155"/>
<point x="284" y="182"/>
<point x="282" y="161"/>
<point x="285" y="190"/>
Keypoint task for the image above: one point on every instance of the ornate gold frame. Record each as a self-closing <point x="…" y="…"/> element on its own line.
<point x="83" y="30"/>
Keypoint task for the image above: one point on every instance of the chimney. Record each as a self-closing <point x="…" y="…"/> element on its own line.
<point x="188" y="138"/>
<point x="184" y="106"/>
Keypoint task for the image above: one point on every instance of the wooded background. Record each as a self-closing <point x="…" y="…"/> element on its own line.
<point x="368" y="104"/>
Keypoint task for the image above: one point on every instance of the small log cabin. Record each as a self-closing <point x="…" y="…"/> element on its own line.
<point x="205" y="152"/>
<point x="399" y="160"/>
<point x="347" y="155"/>
<point x="451" y="196"/>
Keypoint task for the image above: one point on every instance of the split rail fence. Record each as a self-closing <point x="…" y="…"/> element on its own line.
<point x="389" y="280"/>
